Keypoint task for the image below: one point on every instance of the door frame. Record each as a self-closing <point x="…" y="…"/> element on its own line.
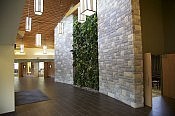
<point x="147" y="73"/>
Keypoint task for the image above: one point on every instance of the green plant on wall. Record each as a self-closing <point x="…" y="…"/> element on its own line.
<point x="85" y="53"/>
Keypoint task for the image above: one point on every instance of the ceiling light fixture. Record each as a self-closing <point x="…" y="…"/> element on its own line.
<point x="38" y="7"/>
<point x="28" y="24"/>
<point x="38" y="40"/>
<point x="21" y="48"/>
<point x="88" y="7"/>
<point x="44" y="46"/>
<point x="28" y="20"/>
<point x="60" y="28"/>
<point x="44" y="49"/>
<point x="81" y="17"/>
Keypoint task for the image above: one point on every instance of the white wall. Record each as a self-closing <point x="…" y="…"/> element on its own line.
<point x="6" y="79"/>
<point x="34" y="53"/>
<point x="11" y="11"/>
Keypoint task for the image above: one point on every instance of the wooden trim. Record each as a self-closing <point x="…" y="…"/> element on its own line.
<point x="148" y="79"/>
<point x="168" y="64"/>
<point x="72" y="10"/>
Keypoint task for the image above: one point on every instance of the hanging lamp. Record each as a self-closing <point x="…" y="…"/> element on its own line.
<point x="38" y="38"/>
<point x="44" y="46"/>
<point x="38" y="7"/>
<point x="28" y="20"/>
<point x="21" y="48"/>
<point x="28" y="23"/>
<point x="88" y="7"/>
<point x="60" y="28"/>
<point x="44" y="49"/>
<point x="81" y="17"/>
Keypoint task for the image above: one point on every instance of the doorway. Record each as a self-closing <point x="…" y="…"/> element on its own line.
<point x="16" y="69"/>
<point x="159" y="73"/>
<point x="152" y="77"/>
<point x="156" y="75"/>
<point x="26" y="69"/>
<point x="49" y="69"/>
<point x="34" y="69"/>
<point x="41" y="69"/>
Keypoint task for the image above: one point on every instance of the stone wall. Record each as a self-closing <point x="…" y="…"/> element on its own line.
<point x="63" y="56"/>
<point x="138" y="58"/>
<point x="120" y="51"/>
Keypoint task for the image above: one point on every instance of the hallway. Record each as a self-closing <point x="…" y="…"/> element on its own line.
<point x="66" y="100"/>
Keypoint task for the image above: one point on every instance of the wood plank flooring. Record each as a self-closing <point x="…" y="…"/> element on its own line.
<point x="67" y="100"/>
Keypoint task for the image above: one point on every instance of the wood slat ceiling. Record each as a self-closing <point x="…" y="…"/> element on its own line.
<point x="54" y="11"/>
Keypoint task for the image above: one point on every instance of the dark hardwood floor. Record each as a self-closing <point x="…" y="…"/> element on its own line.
<point x="67" y="100"/>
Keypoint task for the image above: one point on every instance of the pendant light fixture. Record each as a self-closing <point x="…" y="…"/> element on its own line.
<point x="88" y="7"/>
<point x="44" y="49"/>
<point x="28" y="20"/>
<point x="28" y="24"/>
<point x="38" y="7"/>
<point x="60" y="28"/>
<point x="81" y="17"/>
<point x="38" y="38"/>
<point x="44" y="46"/>
<point x="21" y="46"/>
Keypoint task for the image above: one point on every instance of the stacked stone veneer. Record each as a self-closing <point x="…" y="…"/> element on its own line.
<point x="120" y="51"/>
<point x="63" y="56"/>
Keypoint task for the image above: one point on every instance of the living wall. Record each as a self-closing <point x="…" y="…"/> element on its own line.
<point x="85" y="53"/>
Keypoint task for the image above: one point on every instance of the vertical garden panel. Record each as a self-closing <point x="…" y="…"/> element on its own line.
<point x="85" y="53"/>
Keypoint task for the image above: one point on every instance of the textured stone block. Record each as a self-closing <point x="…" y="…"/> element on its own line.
<point x="120" y="50"/>
<point x="63" y="56"/>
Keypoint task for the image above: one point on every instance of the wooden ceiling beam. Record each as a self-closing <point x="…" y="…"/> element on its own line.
<point x="72" y="10"/>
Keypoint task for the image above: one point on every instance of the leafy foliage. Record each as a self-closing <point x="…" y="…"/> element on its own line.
<point x="85" y="53"/>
